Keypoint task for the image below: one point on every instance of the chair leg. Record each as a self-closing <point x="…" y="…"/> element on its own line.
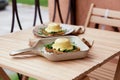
<point x="15" y="5"/>
<point x="14" y="11"/>
<point x="37" y="8"/>
<point x="68" y="12"/>
<point x="13" y="17"/>
<point x="56" y="4"/>
<point x="19" y="76"/>
<point x="18" y="20"/>
<point x="39" y="11"/>
<point x="3" y="75"/>
<point x="73" y="12"/>
<point x="25" y="78"/>
<point x="59" y="11"/>
<point x="35" y="14"/>
<point x="54" y="14"/>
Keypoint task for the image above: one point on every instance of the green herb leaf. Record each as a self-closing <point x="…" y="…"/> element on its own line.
<point x="49" y="46"/>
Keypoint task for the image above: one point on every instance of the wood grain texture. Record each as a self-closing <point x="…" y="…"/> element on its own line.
<point x="105" y="21"/>
<point x="117" y="74"/>
<point x="105" y="48"/>
<point x="101" y="12"/>
<point x="105" y="72"/>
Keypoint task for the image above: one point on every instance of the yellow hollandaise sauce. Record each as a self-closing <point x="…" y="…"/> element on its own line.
<point x="62" y="44"/>
<point x="53" y="27"/>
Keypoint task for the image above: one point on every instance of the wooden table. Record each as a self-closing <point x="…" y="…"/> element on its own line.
<point x="106" y="47"/>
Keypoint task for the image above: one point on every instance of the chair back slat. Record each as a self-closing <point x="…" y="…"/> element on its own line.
<point x="103" y="16"/>
<point x="105" y="21"/>
<point x="101" y="12"/>
<point x="88" y="16"/>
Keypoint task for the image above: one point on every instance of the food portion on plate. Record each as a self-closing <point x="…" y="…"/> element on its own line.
<point x="57" y="48"/>
<point x="52" y="29"/>
<point x="63" y="48"/>
<point x="61" y="45"/>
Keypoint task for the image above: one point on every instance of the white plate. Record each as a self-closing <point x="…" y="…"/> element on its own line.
<point x="65" y="56"/>
<point x="39" y="49"/>
<point x="65" y="27"/>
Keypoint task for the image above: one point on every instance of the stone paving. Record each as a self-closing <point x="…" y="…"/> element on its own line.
<point x="26" y="14"/>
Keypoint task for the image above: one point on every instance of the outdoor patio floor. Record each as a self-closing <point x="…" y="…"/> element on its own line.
<point x="26" y="14"/>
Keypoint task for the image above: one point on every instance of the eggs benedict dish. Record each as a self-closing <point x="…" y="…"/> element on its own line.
<point x="61" y="45"/>
<point x="52" y="29"/>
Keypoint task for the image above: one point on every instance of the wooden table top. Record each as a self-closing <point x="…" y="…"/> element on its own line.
<point x="106" y="46"/>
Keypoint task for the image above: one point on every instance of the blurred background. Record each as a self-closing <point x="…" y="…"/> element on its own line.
<point x="26" y="15"/>
<point x="26" y="9"/>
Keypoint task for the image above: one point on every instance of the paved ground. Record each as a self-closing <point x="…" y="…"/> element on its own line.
<point x="26" y="14"/>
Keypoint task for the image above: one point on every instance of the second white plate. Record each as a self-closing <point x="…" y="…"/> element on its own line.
<point x="64" y="27"/>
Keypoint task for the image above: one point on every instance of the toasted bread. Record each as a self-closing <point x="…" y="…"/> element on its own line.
<point x="59" y="52"/>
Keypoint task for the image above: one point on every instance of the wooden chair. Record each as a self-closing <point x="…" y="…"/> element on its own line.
<point x="109" y="18"/>
<point x="104" y="17"/>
